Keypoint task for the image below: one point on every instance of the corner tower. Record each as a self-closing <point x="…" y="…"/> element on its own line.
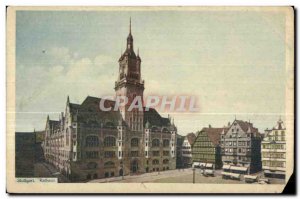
<point x="130" y="84"/>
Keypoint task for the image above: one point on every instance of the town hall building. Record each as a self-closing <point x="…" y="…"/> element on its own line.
<point x="89" y="143"/>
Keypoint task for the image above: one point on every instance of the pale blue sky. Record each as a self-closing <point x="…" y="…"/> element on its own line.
<point x="234" y="62"/>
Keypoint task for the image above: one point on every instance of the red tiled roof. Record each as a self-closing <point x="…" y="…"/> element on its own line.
<point x="246" y="125"/>
<point x="191" y="137"/>
<point x="214" y="134"/>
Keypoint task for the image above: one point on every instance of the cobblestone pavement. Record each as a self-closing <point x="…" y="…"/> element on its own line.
<point x="175" y="176"/>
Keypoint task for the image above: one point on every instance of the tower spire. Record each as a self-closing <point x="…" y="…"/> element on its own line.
<point x="130" y="25"/>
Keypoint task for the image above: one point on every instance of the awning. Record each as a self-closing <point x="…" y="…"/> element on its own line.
<point x="234" y="175"/>
<point x="202" y="164"/>
<point x="238" y="168"/>
<point x="274" y="172"/>
<point x="196" y="164"/>
<point x="226" y="166"/>
<point x="280" y="172"/>
<point x="226" y="173"/>
<point x="209" y="165"/>
<point x="250" y="177"/>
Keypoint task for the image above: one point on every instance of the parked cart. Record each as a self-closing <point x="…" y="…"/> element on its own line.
<point x="209" y="172"/>
<point x="250" y="178"/>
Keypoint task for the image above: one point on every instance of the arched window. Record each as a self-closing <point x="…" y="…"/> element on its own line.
<point x="155" y="162"/>
<point x="154" y="129"/>
<point x="109" y="125"/>
<point x="155" y="143"/>
<point x="109" y="164"/>
<point x="92" y="141"/>
<point x="92" y="165"/>
<point x="134" y="142"/>
<point x="166" y="143"/>
<point x="109" y="141"/>
<point x="165" y="130"/>
<point x="165" y="161"/>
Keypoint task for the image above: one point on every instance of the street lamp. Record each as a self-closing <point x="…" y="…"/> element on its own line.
<point x="122" y="166"/>
<point x="194" y="175"/>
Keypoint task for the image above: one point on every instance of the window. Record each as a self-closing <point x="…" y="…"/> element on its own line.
<point x="67" y="137"/>
<point x="165" y="161"/>
<point x="166" y="143"/>
<point x="134" y="153"/>
<point x="155" y="162"/>
<point x="155" y="142"/>
<point x="166" y="153"/>
<point x="92" y="141"/>
<point x="109" y="141"/>
<point x="92" y="154"/>
<point x="155" y="153"/>
<point x="134" y="142"/>
<point x="92" y="165"/>
<point x="109" y="164"/>
<point x="109" y="154"/>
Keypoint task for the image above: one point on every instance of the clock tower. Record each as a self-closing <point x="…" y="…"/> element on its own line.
<point x="130" y="85"/>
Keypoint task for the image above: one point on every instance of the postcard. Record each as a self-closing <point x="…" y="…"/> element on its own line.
<point x="150" y="99"/>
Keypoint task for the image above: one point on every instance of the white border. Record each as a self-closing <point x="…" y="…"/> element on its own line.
<point x="296" y="3"/>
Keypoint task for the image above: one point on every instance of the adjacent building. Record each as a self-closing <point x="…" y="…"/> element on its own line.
<point x="241" y="148"/>
<point x="179" y="158"/>
<point x="186" y="149"/>
<point x="206" y="150"/>
<point x="88" y="142"/>
<point x="24" y="154"/>
<point x="273" y="150"/>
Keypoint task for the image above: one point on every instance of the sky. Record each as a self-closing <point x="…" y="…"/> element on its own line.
<point x="232" y="61"/>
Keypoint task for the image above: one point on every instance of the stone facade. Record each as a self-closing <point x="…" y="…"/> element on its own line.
<point x="273" y="149"/>
<point x="241" y="147"/>
<point x="88" y="143"/>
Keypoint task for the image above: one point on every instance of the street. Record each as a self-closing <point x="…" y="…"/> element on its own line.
<point x="175" y="176"/>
